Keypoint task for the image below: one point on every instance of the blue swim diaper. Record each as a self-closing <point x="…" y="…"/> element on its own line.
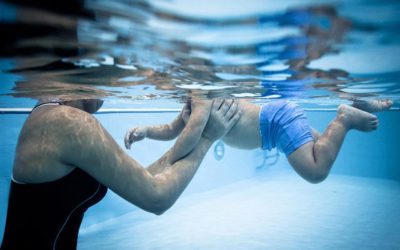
<point x="283" y="125"/>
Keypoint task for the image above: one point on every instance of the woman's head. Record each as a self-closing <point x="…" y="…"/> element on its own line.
<point x="90" y="105"/>
<point x="84" y="98"/>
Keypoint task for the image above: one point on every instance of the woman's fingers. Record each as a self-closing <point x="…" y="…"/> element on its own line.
<point x="224" y="115"/>
<point x="232" y="110"/>
<point x="229" y="103"/>
<point x="234" y="119"/>
<point x="217" y="104"/>
<point x="225" y="106"/>
<point x="232" y="115"/>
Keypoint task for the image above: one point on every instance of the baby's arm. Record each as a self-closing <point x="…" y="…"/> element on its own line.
<point x="163" y="132"/>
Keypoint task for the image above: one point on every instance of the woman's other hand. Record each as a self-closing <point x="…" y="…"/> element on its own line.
<point x="225" y="113"/>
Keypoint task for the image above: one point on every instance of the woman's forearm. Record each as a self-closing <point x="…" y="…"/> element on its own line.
<point x="192" y="132"/>
<point x="173" y="180"/>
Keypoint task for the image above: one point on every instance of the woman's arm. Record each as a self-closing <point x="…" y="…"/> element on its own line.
<point x="195" y="115"/>
<point x="191" y="133"/>
<point x="194" y="129"/>
<point x="87" y="145"/>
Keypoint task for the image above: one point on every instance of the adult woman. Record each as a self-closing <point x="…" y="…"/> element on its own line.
<point x="65" y="161"/>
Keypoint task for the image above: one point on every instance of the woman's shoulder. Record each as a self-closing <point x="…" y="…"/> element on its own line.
<point x="54" y="116"/>
<point x="54" y="126"/>
<point x="41" y="142"/>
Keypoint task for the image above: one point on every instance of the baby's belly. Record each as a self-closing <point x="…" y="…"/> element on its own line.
<point x="244" y="137"/>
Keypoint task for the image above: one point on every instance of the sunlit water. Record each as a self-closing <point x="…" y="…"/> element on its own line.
<point x="143" y="51"/>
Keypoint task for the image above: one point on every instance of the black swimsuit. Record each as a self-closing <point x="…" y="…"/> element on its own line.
<point x="48" y="215"/>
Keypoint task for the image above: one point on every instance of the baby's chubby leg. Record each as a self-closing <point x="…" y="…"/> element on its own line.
<point x="314" y="159"/>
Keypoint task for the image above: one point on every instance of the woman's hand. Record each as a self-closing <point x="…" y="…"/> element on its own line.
<point x="186" y="111"/>
<point x="134" y="135"/>
<point x="224" y="115"/>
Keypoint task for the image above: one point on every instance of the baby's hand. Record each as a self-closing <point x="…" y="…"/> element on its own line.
<point x="134" y="135"/>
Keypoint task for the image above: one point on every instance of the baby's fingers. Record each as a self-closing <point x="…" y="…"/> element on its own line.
<point x="127" y="138"/>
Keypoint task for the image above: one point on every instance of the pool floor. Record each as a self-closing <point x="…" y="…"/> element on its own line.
<point x="274" y="210"/>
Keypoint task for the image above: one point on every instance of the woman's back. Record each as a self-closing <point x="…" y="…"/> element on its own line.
<point x="48" y="215"/>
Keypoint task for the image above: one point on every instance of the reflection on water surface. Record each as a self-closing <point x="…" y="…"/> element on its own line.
<point x="152" y="50"/>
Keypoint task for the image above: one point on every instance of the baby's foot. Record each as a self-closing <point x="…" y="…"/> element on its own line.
<point x="354" y="118"/>
<point x="373" y="106"/>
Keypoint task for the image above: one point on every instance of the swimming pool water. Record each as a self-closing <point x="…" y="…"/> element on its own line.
<point x="251" y="206"/>
<point x="271" y="211"/>
<point x="149" y="55"/>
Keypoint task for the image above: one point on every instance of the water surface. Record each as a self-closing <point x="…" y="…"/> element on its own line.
<point x="155" y="52"/>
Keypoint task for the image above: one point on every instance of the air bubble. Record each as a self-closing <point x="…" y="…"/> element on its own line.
<point x="219" y="150"/>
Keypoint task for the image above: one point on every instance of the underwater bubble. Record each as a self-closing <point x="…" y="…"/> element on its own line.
<point x="270" y="158"/>
<point x="219" y="150"/>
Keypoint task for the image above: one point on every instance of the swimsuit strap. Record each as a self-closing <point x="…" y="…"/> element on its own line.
<point x="46" y="104"/>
